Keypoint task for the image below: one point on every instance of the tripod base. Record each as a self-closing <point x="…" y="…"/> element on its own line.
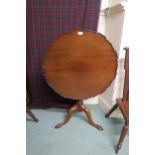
<point x="79" y="107"/>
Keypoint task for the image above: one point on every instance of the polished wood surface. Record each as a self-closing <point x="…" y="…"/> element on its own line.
<point x="80" y="64"/>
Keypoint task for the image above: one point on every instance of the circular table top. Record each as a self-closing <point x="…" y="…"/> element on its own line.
<point x="80" y="64"/>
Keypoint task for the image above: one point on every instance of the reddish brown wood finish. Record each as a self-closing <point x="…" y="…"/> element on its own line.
<point x="80" y="66"/>
<point x="79" y="107"/>
<point x="123" y="103"/>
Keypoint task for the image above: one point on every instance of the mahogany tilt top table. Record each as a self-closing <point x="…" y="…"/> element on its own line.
<point x="78" y="65"/>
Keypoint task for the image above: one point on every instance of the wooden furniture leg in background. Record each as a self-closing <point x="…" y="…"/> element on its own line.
<point x="29" y="98"/>
<point x="113" y="109"/>
<point x="123" y="103"/>
<point x="122" y="136"/>
<point x="79" y="107"/>
<point x="28" y="111"/>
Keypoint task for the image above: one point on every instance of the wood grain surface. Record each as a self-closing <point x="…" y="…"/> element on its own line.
<point x="80" y="64"/>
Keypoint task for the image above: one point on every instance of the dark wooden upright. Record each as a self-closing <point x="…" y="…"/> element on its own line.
<point x="123" y="103"/>
<point x="28" y="110"/>
<point x="28" y="100"/>
<point x="79" y="65"/>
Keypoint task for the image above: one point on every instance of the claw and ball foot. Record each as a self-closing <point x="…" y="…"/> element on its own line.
<point x="68" y="117"/>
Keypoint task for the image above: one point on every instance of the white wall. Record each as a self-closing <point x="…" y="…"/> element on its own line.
<point x="111" y="24"/>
